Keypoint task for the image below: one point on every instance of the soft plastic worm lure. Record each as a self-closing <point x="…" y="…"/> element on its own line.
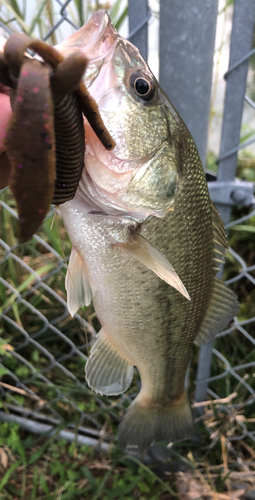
<point x="45" y="140"/>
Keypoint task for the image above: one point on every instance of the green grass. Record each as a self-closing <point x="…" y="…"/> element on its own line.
<point x="37" y="20"/>
<point x="42" y="468"/>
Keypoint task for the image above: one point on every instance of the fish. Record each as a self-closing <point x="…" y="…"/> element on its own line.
<point x="146" y="238"/>
<point x="147" y="242"/>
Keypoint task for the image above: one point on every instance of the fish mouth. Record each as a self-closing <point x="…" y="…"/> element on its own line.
<point x="106" y="176"/>
<point x="96" y="40"/>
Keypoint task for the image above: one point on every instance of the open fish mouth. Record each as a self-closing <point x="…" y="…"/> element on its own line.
<point x="95" y="40"/>
<point x="111" y="180"/>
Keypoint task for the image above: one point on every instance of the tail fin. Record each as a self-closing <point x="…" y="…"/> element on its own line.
<point x="144" y="424"/>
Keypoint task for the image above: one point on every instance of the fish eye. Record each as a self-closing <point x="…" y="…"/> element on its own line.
<point x="143" y="85"/>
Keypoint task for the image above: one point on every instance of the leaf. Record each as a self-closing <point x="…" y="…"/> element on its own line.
<point x="117" y="19"/>
<point x="26" y="283"/>
<point x="14" y="4"/>
<point x="89" y="476"/>
<point x="5" y="348"/>
<point x="124" y="489"/>
<point x="243" y="227"/>
<point x="101" y="486"/>
<point x="35" y="482"/>
<point x="246" y="136"/>
<point x="80" y="9"/>
<point x="50" y="226"/>
<point x="121" y="19"/>
<point x="115" y="10"/>
<point x="3" y="371"/>
<point x="37" y="17"/>
<point x="17" y="17"/>
<point x="39" y="452"/>
<point x="43" y="484"/>
<point x="9" y="472"/>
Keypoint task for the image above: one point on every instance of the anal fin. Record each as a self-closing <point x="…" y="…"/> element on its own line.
<point x="107" y="371"/>
<point x="77" y="283"/>
<point x="222" y="308"/>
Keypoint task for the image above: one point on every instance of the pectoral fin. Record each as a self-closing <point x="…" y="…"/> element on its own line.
<point x="222" y="308"/>
<point x="152" y="258"/>
<point x="107" y="371"/>
<point x="77" y="283"/>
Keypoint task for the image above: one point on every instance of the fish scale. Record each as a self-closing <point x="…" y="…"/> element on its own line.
<point x="123" y="310"/>
<point x="146" y="251"/>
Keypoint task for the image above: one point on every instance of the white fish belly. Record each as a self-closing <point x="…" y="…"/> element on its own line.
<point x="131" y="302"/>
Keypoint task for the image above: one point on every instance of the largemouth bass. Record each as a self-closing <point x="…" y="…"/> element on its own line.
<point x="150" y="191"/>
<point x="146" y="239"/>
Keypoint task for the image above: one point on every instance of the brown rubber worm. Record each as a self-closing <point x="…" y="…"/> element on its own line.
<point x="45" y="140"/>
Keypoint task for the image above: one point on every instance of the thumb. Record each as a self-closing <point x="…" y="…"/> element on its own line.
<point x="5" y="115"/>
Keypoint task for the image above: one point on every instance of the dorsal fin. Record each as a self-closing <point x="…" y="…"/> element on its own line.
<point x="223" y="306"/>
<point x="219" y="239"/>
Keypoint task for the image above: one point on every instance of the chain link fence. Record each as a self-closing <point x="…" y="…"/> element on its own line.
<point x="43" y="350"/>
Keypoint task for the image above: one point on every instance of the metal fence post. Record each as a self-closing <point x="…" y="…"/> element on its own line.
<point x="241" y="41"/>
<point x="139" y="14"/>
<point x="187" y="34"/>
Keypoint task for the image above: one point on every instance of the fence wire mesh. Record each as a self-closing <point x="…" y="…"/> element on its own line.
<point x="43" y="350"/>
